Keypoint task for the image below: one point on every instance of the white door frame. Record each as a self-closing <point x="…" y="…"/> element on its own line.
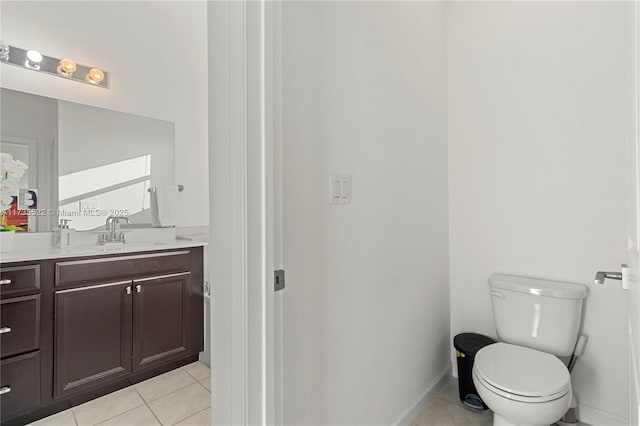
<point x="633" y="221"/>
<point x="241" y="160"/>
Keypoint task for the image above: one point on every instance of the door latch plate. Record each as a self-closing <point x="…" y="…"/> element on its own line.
<point x="278" y="280"/>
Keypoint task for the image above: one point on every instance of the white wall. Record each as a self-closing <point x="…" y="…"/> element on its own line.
<point x="157" y="54"/>
<point x="537" y="169"/>
<point x="366" y="312"/>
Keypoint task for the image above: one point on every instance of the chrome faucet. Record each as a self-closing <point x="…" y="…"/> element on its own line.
<point x="112" y="236"/>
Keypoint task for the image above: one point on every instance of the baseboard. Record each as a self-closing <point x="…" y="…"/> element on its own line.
<point x="408" y="415"/>
<point x="593" y="416"/>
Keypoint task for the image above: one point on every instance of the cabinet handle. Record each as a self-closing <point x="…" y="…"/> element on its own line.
<point x="129" y="290"/>
<point x="138" y="289"/>
<point x="5" y="330"/>
<point x="5" y="389"/>
<point x="5" y="281"/>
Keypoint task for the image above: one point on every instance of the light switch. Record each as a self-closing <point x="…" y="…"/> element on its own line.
<point x="339" y="189"/>
<point x="89" y="205"/>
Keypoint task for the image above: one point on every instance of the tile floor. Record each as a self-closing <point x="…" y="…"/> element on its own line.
<point x="179" y="397"/>
<point x="447" y="410"/>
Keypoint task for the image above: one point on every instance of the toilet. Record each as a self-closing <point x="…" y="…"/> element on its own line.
<point x="520" y="378"/>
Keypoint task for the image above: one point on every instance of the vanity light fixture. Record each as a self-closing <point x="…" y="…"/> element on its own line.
<point x="4" y="51"/>
<point x="34" y="58"/>
<point x="94" y="76"/>
<point x="66" y="68"/>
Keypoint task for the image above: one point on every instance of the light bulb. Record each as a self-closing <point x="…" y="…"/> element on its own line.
<point x="33" y="59"/>
<point x="4" y="51"/>
<point x="66" y="68"/>
<point x="94" y="76"/>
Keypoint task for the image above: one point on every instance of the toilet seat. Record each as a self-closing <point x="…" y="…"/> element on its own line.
<point x="516" y="397"/>
<point x="521" y="374"/>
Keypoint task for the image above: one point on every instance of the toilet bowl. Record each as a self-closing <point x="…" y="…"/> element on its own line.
<point x="522" y="386"/>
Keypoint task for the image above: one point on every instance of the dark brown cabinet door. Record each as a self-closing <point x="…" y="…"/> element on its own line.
<point x="93" y="335"/>
<point x="19" y="383"/>
<point x="19" y="325"/>
<point x="161" y="319"/>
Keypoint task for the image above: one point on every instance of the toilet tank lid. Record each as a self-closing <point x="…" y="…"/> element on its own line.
<point x="538" y="286"/>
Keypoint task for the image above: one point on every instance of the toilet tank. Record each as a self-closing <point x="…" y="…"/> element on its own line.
<point x="537" y="313"/>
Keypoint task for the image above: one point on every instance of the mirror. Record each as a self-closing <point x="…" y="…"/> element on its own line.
<point x="84" y="163"/>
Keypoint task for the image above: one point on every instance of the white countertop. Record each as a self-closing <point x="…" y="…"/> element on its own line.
<point x="37" y="246"/>
<point x="43" y="253"/>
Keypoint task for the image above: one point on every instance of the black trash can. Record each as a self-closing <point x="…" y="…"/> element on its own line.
<point x="467" y="346"/>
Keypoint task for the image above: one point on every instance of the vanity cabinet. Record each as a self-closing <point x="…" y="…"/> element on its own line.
<point x="92" y="335"/>
<point x="84" y="327"/>
<point x="19" y="325"/>
<point x="161" y="318"/>
<point x="21" y="383"/>
<point x="106" y="331"/>
<point x="20" y="317"/>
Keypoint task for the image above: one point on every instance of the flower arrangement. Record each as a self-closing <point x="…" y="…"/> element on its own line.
<point x="11" y="171"/>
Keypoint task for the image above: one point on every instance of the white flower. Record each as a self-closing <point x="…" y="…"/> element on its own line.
<point x="11" y="171"/>
<point x="5" y="201"/>
<point x="5" y="157"/>
<point x="9" y="187"/>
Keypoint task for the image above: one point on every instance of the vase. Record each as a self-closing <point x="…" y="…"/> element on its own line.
<point x="6" y="240"/>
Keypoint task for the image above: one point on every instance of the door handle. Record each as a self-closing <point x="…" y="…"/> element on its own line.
<point x="128" y="289"/>
<point x="138" y="288"/>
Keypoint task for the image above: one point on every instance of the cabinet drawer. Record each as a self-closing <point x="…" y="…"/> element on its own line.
<point x="19" y="279"/>
<point x="19" y="384"/>
<point x="119" y="267"/>
<point x="19" y="325"/>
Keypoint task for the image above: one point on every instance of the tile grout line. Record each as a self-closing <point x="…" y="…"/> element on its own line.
<point x="149" y="407"/>
<point x="175" y="391"/>
<point x="203" y="386"/>
<point x="113" y="417"/>
<point x="193" y="415"/>
<point x="197" y="362"/>
<point x="73" y="413"/>
<point x="168" y="393"/>
<point x="102" y="421"/>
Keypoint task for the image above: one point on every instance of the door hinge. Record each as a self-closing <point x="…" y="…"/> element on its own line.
<point x="278" y="280"/>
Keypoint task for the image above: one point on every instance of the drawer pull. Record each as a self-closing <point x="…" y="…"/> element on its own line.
<point x="138" y="289"/>
<point x="5" y="389"/>
<point x="4" y="330"/>
<point x="5" y="281"/>
<point x="129" y="290"/>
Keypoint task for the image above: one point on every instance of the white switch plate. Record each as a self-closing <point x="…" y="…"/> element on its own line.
<point x="89" y="205"/>
<point x="339" y="189"/>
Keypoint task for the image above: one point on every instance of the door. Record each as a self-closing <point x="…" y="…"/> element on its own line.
<point x="633" y="211"/>
<point x="93" y="335"/>
<point x="161" y="319"/>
